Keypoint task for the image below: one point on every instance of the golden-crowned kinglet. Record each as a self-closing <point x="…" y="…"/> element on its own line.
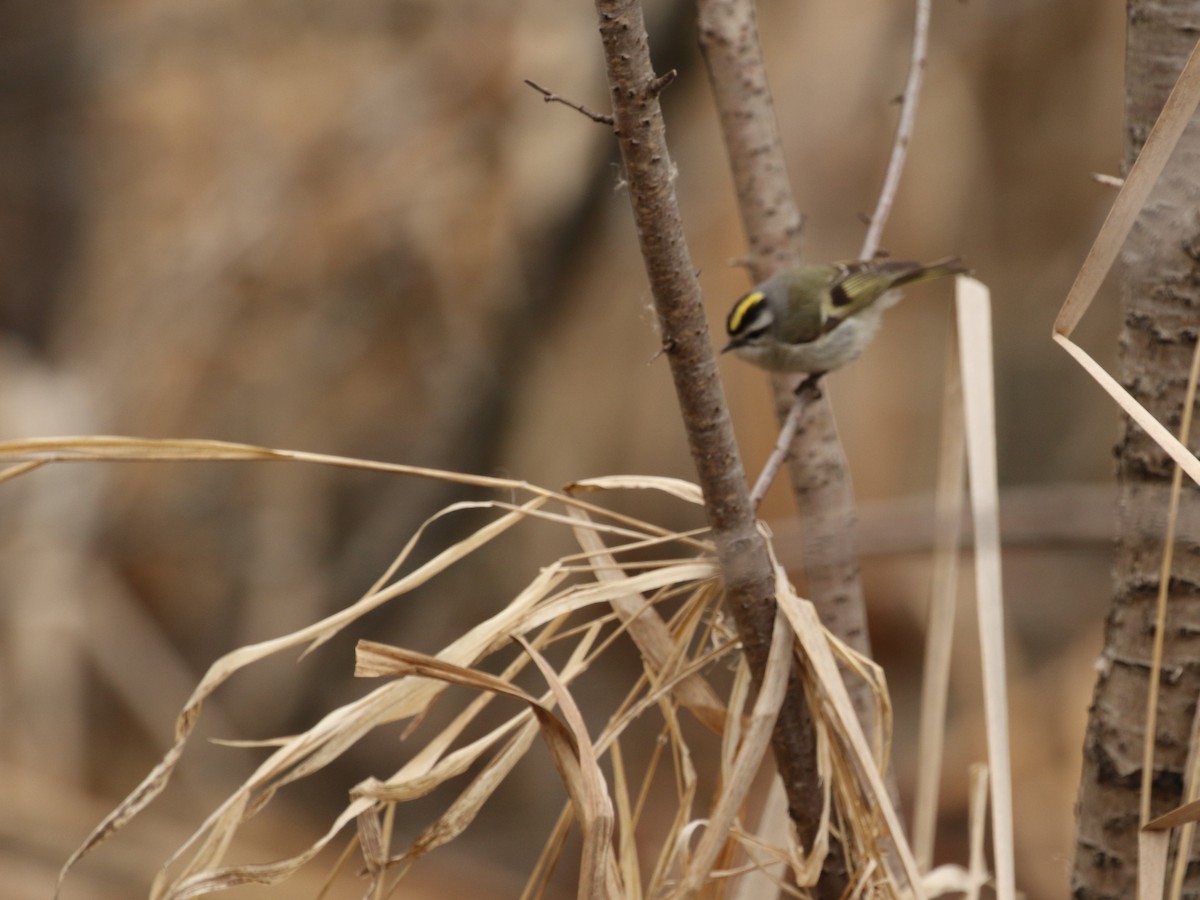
<point x="816" y="318"/>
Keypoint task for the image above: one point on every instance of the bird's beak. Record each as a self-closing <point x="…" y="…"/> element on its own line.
<point x="732" y="345"/>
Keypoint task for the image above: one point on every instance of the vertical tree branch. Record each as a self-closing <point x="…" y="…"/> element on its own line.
<point x="728" y="31"/>
<point x="738" y="77"/>
<point x="808" y="437"/>
<point x="741" y="551"/>
<point x="817" y="465"/>
<point x="1160" y="267"/>
<point x="820" y="478"/>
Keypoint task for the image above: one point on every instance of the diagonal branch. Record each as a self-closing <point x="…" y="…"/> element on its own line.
<point x="904" y="130"/>
<point x="741" y="550"/>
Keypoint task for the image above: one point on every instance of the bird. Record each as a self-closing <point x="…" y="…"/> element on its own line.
<point x="815" y="318"/>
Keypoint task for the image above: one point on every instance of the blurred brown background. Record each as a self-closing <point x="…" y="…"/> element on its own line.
<point x="351" y="228"/>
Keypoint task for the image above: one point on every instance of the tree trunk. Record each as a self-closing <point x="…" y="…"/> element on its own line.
<point x="1161" y="283"/>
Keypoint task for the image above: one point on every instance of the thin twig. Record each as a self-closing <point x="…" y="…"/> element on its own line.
<point x="904" y="131"/>
<point x="805" y="394"/>
<point x="551" y="97"/>
<point x="883" y="209"/>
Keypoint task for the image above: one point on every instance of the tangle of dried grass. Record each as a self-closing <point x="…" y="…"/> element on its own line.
<point x="579" y="606"/>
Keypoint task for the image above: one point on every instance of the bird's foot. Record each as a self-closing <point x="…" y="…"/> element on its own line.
<point x="809" y="388"/>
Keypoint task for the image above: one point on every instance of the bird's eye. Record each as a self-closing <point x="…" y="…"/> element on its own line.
<point x="754" y="335"/>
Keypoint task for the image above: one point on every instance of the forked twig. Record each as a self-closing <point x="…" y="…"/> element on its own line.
<point x="551" y="97"/>
<point x="807" y="391"/>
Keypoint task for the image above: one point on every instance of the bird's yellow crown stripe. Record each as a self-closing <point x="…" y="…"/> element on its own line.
<point x="737" y="315"/>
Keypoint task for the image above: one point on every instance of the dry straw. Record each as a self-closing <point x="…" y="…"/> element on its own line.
<point x="579" y="606"/>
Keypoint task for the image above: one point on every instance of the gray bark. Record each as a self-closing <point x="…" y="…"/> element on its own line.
<point x="1160" y="270"/>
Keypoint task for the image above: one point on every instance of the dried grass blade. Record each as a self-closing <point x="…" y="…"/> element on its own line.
<point x="389" y="824"/>
<point x="343" y="727"/>
<point x="1180" y="815"/>
<point x="816" y="651"/>
<point x="676" y="487"/>
<point x="329" y="737"/>
<point x="675" y="844"/>
<point x="975" y="349"/>
<point x="536" y="607"/>
<point x="1160" y="613"/>
<point x="1153" y="845"/>
<point x="1175" y="115"/>
<point x="543" y="869"/>
<point x="739" y="696"/>
<point x="738" y="778"/>
<point x="428" y="760"/>
<point x="311" y="750"/>
<point x="116" y="448"/>
<point x="771" y="832"/>
<point x="320" y="632"/>
<point x="151" y="786"/>
<point x="579" y="768"/>
<point x="658" y="648"/>
<point x="375" y="660"/>
<point x="217" y="841"/>
<point x="408" y="785"/>
<point x="462" y="812"/>
<point x="337" y="868"/>
<point x="870" y="672"/>
<point x="15" y="471"/>
<point x="1191" y="788"/>
<point x="1179" y="453"/>
<point x="371" y="840"/>
<point x="627" y="851"/>
<point x="569" y="746"/>
<point x="977" y="809"/>
<point x="940" y="623"/>
<point x="211" y="881"/>
<point x="583" y="596"/>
